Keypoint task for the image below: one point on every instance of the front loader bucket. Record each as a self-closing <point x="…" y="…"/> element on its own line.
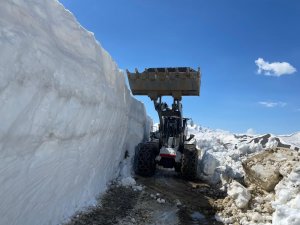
<point x="157" y="82"/>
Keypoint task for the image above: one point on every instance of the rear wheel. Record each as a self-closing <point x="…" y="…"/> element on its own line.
<point x="144" y="160"/>
<point x="189" y="162"/>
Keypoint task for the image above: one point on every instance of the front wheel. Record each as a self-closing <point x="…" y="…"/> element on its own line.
<point x="189" y="162"/>
<point x="144" y="160"/>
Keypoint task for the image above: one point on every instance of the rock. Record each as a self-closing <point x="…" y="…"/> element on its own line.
<point x="266" y="169"/>
<point x="178" y="203"/>
<point x="137" y="188"/>
<point x="161" y="200"/>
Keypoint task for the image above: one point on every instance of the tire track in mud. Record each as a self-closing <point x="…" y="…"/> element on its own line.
<point x="196" y="198"/>
<point x="186" y="203"/>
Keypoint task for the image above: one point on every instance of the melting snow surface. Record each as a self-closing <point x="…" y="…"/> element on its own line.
<point x="67" y="117"/>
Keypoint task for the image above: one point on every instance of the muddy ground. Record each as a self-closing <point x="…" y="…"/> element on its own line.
<point x="185" y="203"/>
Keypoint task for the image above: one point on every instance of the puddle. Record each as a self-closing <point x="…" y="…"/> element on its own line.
<point x="197" y="216"/>
<point x="166" y="217"/>
<point x="194" y="218"/>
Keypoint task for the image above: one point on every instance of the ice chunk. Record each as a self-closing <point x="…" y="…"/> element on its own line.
<point x="240" y="194"/>
<point x="128" y="181"/>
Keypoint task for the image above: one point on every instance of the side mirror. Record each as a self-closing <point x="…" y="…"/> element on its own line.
<point x="191" y="137"/>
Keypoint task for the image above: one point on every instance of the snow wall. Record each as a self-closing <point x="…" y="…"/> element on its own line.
<point x="67" y="117"/>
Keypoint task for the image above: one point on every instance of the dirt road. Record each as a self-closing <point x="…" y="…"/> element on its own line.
<point x="165" y="199"/>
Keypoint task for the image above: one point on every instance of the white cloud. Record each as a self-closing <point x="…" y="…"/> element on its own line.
<point x="273" y="104"/>
<point x="276" y="69"/>
<point x="250" y="131"/>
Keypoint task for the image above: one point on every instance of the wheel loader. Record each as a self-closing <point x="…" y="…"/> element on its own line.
<point x="168" y="147"/>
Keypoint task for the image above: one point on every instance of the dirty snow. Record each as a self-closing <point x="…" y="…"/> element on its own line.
<point x="239" y="194"/>
<point x="220" y="163"/>
<point x="127" y="181"/>
<point x="67" y="117"/>
<point x="222" y="152"/>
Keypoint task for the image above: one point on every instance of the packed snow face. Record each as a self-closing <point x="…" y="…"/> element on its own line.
<point x="67" y="117"/>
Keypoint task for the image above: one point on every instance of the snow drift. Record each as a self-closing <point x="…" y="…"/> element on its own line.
<point x="67" y="117"/>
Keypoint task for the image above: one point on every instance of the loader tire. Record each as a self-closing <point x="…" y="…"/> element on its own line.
<point x="189" y="163"/>
<point x="144" y="160"/>
<point x="177" y="167"/>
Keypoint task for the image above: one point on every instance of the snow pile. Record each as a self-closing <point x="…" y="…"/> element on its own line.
<point x="258" y="212"/>
<point x="67" y="117"/>
<point x="127" y="181"/>
<point x="222" y="152"/>
<point x="220" y="162"/>
<point x="287" y="203"/>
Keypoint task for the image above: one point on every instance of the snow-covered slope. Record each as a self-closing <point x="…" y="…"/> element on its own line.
<point x="293" y="139"/>
<point x="67" y="117"/>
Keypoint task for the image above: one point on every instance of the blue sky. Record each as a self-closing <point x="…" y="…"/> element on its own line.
<point x="223" y="38"/>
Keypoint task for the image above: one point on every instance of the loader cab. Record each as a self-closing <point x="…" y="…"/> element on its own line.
<point x="171" y="126"/>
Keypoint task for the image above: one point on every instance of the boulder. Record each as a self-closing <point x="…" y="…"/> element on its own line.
<point x="267" y="168"/>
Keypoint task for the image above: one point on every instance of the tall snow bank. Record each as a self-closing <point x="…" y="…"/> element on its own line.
<point x="67" y="117"/>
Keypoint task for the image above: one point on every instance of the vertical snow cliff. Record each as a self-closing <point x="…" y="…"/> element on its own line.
<point x="67" y="116"/>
